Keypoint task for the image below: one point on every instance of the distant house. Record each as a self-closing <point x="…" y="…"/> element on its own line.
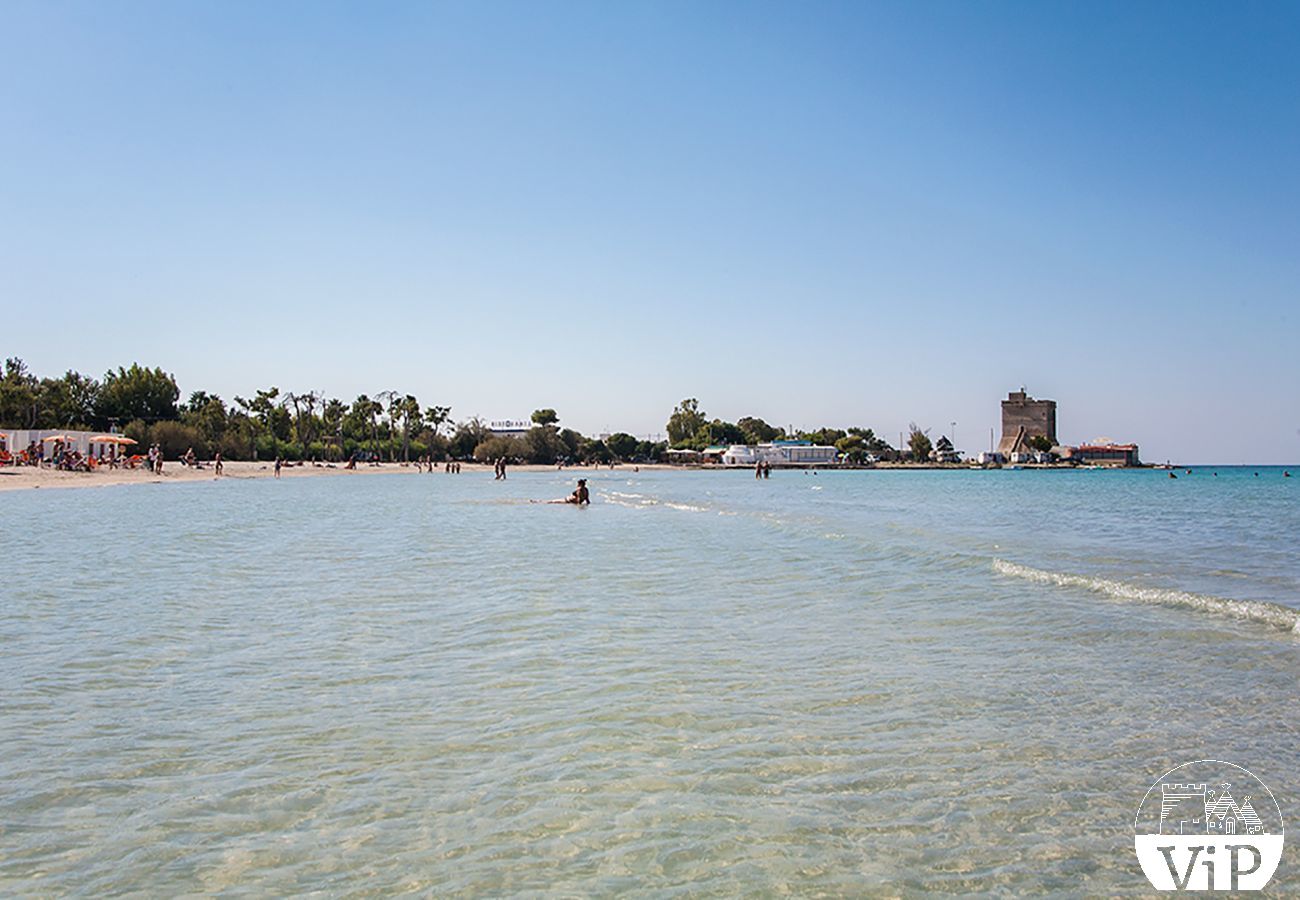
<point x="943" y="452"/>
<point x="991" y="458"/>
<point x="780" y="453"/>
<point x="509" y="427"/>
<point x="1107" y="454"/>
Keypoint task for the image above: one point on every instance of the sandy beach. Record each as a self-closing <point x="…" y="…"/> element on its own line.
<point x="31" y="477"/>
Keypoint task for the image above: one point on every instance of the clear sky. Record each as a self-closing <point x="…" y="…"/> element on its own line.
<point x="817" y="213"/>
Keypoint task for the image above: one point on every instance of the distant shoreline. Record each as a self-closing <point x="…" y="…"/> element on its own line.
<point x="31" y="478"/>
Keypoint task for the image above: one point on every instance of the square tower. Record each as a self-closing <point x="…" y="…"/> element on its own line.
<point x="1023" y="417"/>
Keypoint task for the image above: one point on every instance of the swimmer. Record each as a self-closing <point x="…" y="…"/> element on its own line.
<point x="579" y="497"/>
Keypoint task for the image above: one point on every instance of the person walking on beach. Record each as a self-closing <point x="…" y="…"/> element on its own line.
<point x="217" y="466"/>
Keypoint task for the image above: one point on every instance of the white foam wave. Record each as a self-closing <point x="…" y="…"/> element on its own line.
<point x="1259" y="611"/>
<point x="640" y="501"/>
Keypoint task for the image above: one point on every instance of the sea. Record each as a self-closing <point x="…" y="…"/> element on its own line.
<point x="866" y="683"/>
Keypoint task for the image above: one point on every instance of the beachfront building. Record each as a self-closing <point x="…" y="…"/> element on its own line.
<point x="780" y="454"/>
<point x="683" y="457"/>
<point x="81" y="441"/>
<point x="509" y="427"/>
<point x="1023" y="418"/>
<point x="1107" y="454"/>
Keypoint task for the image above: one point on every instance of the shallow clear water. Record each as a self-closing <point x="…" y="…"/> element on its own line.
<point x="853" y="682"/>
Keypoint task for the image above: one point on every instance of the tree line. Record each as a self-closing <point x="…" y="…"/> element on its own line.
<point x="144" y="404"/>
<point x="690" y="428"/>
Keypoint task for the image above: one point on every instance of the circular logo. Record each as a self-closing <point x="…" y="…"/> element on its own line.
<point x="1208" y="825"/>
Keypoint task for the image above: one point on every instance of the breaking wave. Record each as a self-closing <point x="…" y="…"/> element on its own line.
<point x="1272" y="614"/>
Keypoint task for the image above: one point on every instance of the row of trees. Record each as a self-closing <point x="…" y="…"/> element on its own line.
<point x="391" y="425"/>
<point x="547" y="443"/>
<point x="145" y="404"/>
<point x="690" y="428"/>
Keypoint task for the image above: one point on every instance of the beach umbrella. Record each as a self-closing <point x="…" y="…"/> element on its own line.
<point x="56" y="437"/>
<point x="111" y="439"/>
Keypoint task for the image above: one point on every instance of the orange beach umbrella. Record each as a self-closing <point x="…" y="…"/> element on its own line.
<point x="111" y="439"/>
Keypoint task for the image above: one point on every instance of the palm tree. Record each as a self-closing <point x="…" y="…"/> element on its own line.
<point x="409" y="409"/>
<point x="436" y="416"/>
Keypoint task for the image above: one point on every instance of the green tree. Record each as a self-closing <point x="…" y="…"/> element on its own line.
<point x="207" y="415"/>
<point x="757" y="431"/>
<point x="594" y="451"/>
<point x="542" y="445"/>
<point x="826" y="437"/>
<point x="719" y="432"/>
<point x="367" y="412"/>
<point x="305" y="423"/>
<point x="1040" y="442"/>
<point x="467" y="436"/>
<point x="18" y="388"/>
<point x="137" y="393"/>
<point x="572" y="441"/>
<point x="649" y="450"/>
<point x="332" y="415"/>
<point x="408" y="411"/>
<point x="174" y="438"/>
<point x="501" y="447"/>
<point x="918" y="442"/>
<point x="622" y="445"/>
<point x="437" y="416"/>
<point x="248" y="423"/>
<point x="67" y="402"/>
<point x="545" y="417"/>
<point x="685" y="422"/>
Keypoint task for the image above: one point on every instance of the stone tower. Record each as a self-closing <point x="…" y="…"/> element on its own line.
<point x="1024" y="417"/>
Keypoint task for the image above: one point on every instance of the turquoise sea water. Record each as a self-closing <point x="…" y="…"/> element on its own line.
<point x="843" y="683"/>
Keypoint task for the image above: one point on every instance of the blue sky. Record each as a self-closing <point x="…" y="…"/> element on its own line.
<point x="817" y="213"/>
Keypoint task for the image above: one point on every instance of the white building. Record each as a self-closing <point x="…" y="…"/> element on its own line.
<point x="780" y="453"/>
<point x="510" y="427"/>
<point x="19" y="438"/>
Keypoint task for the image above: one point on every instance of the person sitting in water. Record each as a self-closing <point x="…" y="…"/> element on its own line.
<point x="580" y="496"/>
